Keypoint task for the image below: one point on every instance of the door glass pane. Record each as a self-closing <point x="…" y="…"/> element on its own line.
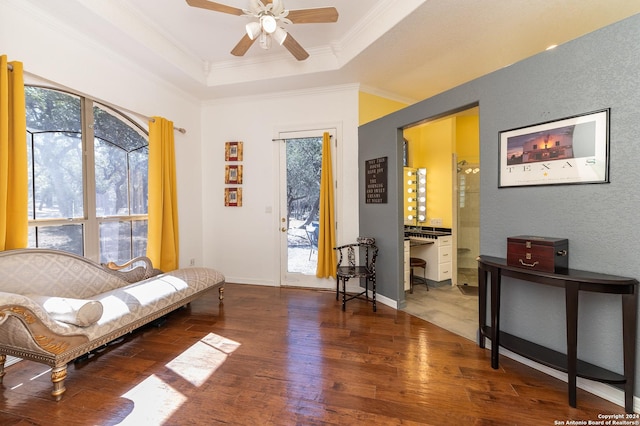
<point x="304" y="160"/>
<point x="468" y="221"/>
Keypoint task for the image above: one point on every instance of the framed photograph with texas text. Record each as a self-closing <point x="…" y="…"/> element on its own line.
<point x="572" y="150"/>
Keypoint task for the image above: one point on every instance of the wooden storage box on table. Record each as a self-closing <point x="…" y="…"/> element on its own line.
<point x="538" y="253"/>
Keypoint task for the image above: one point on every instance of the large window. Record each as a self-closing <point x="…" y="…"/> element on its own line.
<point x="87" y="177"/>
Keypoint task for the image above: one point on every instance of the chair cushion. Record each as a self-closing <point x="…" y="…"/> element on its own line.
<point x="78" y="312"/>
<point x="366" y="240"/>
<point x="353" y="271"/>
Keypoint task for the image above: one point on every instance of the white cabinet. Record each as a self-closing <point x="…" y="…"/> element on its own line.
<point x="439" y="257"/>
<point x="442" y="251"/>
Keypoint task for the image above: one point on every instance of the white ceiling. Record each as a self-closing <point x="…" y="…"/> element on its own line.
<point x="404" y="49"/>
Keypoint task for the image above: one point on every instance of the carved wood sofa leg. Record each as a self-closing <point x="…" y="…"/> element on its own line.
<point x="3" y="359"/>
<point x="221" y="293"/>
<point x="58" y="375"/>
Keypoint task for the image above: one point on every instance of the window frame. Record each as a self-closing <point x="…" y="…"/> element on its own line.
<point x="90" y="222"/>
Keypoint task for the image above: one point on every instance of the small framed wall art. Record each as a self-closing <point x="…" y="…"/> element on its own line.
<point x="233" y="151"/>
<point x="233" y="174"/>
<point x="233" y="197"/>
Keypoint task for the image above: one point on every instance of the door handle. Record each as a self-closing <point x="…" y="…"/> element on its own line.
<point x="284" y="229"/>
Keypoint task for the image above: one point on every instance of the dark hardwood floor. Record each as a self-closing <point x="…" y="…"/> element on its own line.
<point x="278" y="356"/>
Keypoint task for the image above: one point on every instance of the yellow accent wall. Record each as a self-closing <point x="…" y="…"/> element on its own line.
<point x="438" y="141"/>
<point x="467" y="145"/>
<point x="432" y="145"/>
<point x="371" y="107"/>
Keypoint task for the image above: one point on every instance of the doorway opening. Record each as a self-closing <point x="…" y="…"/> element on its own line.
<point x="448" y="149"/>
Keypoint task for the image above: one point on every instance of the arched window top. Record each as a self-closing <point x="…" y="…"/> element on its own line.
<point x="110" y="126"/>
<point x="50" y="110"/>
<point x="88" y="176"/>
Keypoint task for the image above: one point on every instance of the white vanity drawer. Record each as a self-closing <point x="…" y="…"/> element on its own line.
<point x="444" y="271"/>
<point x="444" y="254"/>
<point x="445" y="241"/>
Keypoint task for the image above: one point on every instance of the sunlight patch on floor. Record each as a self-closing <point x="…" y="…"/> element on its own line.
<point x="201" y="360"/>
<point x="155" y="401"/>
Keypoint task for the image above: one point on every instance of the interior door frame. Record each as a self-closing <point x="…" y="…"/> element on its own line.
<point x="289" y="279"/>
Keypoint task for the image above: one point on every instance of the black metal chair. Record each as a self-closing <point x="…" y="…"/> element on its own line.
<point x="312" y="236"/>
<point x="366" y="269"/>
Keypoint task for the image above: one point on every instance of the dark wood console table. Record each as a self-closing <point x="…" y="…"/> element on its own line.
<point x="573" y="281"/>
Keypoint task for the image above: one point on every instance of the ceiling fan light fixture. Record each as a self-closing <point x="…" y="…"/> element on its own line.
<point x="277" y="7"/>
<point x="255" y="5"/>
<point x="268" y="23"/>
<point x="265" y="40"/>
<point x="279" y="35"/>
<point x="253" y="30"/>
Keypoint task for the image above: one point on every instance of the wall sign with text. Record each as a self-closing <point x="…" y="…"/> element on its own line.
<point x="376" y="181"/>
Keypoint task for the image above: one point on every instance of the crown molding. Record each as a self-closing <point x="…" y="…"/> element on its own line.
<point x="287" y="94"/>
<point x="387" y="95"/>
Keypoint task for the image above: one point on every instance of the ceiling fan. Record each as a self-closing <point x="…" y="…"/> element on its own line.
<point x="268" y="15"/>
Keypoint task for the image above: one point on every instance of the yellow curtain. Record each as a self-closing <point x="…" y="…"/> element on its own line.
<point x="14" y="187"/>
<point x="327" y="236"/>
<point x="162" y="239"/>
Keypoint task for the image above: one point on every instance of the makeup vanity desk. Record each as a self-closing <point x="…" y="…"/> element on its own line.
<point x="573" y="281"/>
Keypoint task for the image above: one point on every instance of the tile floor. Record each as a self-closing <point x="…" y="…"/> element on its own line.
<point x="447" y="307"/>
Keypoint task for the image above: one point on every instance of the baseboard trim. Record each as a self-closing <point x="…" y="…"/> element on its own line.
<point x="602" y="390"/>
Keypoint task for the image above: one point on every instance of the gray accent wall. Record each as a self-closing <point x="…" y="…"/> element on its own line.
<point x="602" y="222"/>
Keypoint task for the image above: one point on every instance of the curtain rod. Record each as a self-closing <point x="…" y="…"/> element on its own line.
<point x="286" y="139"/>
<point x="110" y="105"/>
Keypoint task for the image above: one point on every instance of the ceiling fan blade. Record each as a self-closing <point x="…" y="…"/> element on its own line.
<point x="216" y="7"/>
<point x="313" y="16"/>
<point x="243" y="45"/>
<point x="278" y="7"/>
<point x="294" y="47"/>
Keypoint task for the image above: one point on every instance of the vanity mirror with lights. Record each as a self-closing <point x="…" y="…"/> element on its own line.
<point x="415" y="190"/>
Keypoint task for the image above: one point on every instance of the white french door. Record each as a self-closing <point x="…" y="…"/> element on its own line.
<point x="300" y="157"/>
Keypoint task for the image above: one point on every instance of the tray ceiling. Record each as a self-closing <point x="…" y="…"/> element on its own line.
<point x="404" y="49"/>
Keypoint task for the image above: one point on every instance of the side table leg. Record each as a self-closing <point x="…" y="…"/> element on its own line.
<point x="629" y="318"/>
<point x="495" y="317"/>
<point x="571" y="300"/>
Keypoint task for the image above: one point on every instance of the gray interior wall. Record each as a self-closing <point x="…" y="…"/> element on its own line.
<point x="596" y="71"/>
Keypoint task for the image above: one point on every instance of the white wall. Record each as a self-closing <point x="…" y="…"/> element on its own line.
<point x="243" y="241"/>
<point x="57" y="52"/>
